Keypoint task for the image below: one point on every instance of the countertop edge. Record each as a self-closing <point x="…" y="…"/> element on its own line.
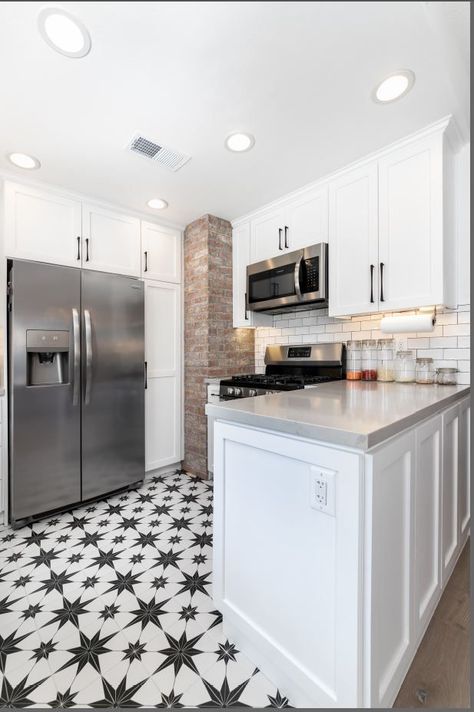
<point x="331" y="435"/>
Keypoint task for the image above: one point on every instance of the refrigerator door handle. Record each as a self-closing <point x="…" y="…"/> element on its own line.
<point x="76" y="357"/>
<point x="88" y="335"/>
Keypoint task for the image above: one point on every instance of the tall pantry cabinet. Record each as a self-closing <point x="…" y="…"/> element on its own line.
<point x="161" y="270"/>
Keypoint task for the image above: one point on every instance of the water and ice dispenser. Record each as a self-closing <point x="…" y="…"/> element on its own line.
<point x="47" y="357"/>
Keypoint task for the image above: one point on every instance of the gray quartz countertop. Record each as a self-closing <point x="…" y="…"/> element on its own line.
<point x="352" y="414"/>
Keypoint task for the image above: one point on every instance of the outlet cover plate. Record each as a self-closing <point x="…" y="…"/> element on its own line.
<point x="323" y="490"/>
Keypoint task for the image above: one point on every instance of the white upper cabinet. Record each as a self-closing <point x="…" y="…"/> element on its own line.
<point x="242" y="317"/>
<point x="353" y="242"/>
<point x="298" y="223"/>
<point x="41" y="225"/>
<point x="307" y="220"/>
<point x="266" y="235"/>
<point x="161" y="253"/>
<point x="111" y="241"/>
<point x="411" y="225"/>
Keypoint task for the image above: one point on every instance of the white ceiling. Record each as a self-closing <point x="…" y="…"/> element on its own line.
<point x="298" y="75"/>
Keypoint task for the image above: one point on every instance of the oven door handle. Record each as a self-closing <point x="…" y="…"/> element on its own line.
<point x="297" y="278"/>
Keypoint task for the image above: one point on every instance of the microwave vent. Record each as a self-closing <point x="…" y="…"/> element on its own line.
<point x="167" y="157"/>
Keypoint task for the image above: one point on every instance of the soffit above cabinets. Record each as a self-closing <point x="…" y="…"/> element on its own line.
<point x="297" y="75"/>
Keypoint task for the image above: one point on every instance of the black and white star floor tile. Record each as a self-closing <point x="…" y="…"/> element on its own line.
<point x="110" y="605"/>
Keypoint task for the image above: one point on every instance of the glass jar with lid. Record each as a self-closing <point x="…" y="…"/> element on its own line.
<point x="385" y="353"/>
<point x="425" y="370"/>
<point x="405" y="367"/>
<point x="369" y="360"/>
<point x="447" y="376"/>
<point x="353" y="361"/>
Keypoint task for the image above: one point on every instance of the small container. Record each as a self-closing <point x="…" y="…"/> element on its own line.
<point x="369" y="360"/>
<point x="447" y="376"/>
<point x="353" y="361"/>
<point x="425" y="372"/>
<point x="405" y="367"/>
<point x="385" y="352"/>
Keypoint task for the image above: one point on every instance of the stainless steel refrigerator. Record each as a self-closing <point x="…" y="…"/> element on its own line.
<point x="76" y="386"/>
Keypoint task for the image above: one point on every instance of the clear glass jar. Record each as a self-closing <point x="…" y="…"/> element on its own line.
<point x="385" y="352"/>
<point x="447" y="376"/>
<point x="405" y="367"/>
<point x="425" y="372"/>
<point x="353" y="361"/>
<point x="369" y="360"/>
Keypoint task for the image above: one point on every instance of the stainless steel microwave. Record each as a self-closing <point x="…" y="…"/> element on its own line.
<point x="289" y="282"/>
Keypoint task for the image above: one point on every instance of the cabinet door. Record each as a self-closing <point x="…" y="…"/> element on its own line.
<point x="111" y="241"/>
<point x="161" y="252"/>
<point x="449" y="496"/>
<point x="307" y="220"/>
<point x="163" y="442"/>
<point x="464" y="469"/>
<point x="242" y="317"/>
<point x="427" y="522"/>
<point x="42" y="225"/>
<point x="411" y="225"/>
<point x="353" y="242"/>
<point x="390" y="491"/>
<point x="266" y="235"/>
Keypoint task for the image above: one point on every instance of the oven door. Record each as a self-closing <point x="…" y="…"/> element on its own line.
<point x="274" y="283"/>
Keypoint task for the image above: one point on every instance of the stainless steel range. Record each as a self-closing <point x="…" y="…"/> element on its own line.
<point x="287" y="368"/>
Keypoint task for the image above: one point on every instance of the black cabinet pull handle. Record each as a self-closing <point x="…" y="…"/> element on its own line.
<point x="286" y="236"/>
<point x="87" y="249"/>
<point x="146" y="262"/>
<point x="381" y="282"/>
<point x="280" y="231"/>
<point x="372" y="284"/>
<point x="246" y="308"/>
<point x="146" y="375"/>
<point x="78" y="247"/>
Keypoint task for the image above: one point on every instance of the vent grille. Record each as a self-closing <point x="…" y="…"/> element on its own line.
<point x="161" y="154"/>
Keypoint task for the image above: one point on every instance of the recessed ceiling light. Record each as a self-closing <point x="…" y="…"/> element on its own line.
<point x="157" y="204"/>
<point x="239" y="142"/>
<point x="394" y="86"/>
<point x="64" y="32"/>
<point x="22" y="160"/>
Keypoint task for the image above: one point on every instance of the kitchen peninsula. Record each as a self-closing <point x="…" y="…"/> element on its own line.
<point x="356" y="502"/>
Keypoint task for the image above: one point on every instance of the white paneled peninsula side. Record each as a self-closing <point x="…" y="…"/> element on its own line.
<point x="353" y="501"/>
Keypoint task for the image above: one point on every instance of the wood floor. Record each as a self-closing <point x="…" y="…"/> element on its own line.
<point x="439" y="675"/>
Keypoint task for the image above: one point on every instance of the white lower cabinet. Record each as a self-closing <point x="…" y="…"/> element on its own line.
<point x="427" y="521"/>
<point x="351" y="590"/>
<point x="163" y="396"/>
<point x="450" y="489"/>
<point x="389" y="634"/>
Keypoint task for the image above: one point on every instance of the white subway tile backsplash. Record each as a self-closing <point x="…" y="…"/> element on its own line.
<point x="448" y="344"/>
<point x="457" y="329"/>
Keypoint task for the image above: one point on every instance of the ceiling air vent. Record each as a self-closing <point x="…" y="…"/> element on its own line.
<point x="156" y="152"/>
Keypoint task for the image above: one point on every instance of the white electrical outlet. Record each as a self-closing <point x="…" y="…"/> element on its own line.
<point x="323" y="490"/>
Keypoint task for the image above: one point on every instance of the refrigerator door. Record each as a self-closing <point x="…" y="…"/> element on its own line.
<point x="44" y="388"/>
<point x="113" y="403"/>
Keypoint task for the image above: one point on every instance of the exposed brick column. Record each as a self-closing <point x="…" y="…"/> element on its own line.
<point x="212" y="347"/>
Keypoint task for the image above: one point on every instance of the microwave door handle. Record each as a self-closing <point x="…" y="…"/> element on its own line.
<point x="297" y="278"/>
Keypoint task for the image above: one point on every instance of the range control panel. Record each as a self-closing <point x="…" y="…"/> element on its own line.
<point x="299" y="352"/>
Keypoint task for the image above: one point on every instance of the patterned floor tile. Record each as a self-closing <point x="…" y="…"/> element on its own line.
<point x="111" y="605"/>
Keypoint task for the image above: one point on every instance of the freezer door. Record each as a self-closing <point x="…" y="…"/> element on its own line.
<point x="44" y="388"/>
<point x="113" y="440"/>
